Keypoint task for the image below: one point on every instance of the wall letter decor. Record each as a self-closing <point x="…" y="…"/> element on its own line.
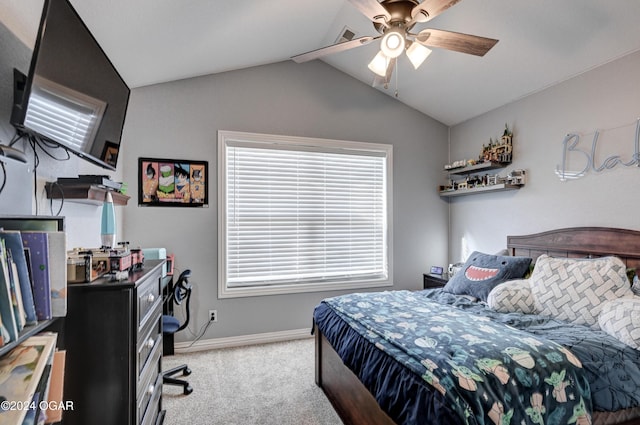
<point x="572" y="153"/>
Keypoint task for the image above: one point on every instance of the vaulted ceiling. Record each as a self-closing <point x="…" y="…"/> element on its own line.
<point x="542" y="42"/>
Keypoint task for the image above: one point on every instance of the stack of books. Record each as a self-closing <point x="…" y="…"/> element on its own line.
<point x="33" y="280"/>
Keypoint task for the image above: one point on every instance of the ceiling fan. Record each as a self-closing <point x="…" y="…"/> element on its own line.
<point x="394" y="20"/>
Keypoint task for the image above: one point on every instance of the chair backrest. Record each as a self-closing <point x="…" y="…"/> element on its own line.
<point x="182" y="292"/>
<point x="182" y="287"/>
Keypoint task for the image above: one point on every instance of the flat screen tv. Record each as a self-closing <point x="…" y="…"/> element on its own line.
<point x="73" y="95"/>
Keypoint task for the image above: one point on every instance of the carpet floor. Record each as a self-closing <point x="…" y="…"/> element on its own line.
<point x="267" y="384"/>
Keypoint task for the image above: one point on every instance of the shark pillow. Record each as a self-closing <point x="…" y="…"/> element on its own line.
<point x="483" y="272"/>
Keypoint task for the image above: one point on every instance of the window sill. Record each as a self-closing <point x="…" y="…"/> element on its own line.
<point x="224" y="292"/>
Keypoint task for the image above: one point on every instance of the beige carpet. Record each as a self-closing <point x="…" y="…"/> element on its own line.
<point x="268" y="384"/>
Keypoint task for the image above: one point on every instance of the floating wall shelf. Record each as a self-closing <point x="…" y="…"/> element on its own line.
<point x="479" y="169"/>
<point x="83" y="193"/>
<point x="501" y="187"/>
<point x="476" y="168"/>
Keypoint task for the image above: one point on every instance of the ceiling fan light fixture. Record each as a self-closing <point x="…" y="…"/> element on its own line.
<point x="393" y="42"/>
<point x="379" y="64"/>
<point x="417" y="53"/>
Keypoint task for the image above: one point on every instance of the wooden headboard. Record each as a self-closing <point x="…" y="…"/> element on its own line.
<point x="577" y="242"/>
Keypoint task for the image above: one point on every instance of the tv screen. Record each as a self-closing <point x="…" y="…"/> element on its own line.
<point x="73" y="95"/>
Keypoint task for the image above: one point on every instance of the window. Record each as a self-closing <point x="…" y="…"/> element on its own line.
<point x="301" y="214"/>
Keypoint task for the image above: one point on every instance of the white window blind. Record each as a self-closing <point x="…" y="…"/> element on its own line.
<point x="305" y="213"/>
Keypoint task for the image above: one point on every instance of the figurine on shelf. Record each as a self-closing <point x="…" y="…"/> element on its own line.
<point x="517" y="177"/>
<point x="486" y="150"/>
<point x="507" y="136"/>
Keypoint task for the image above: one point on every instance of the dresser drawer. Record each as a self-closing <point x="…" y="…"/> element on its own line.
<point x="149" y="296"/>
<point x="149" y="337"/>
<point x="153" y="408"/>
<point x="150" y="380"/>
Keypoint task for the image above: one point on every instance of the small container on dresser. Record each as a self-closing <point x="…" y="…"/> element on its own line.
<point x="434" y="280"/>
<point x="113" y="338"/>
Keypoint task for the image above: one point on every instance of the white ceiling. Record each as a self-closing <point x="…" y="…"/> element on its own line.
<point x="542" y="42"/>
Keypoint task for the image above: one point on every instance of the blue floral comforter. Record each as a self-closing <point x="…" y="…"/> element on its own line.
<point x="478" y="371"/>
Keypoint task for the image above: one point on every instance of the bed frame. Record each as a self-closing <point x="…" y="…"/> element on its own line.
<point x="354" y="403"/>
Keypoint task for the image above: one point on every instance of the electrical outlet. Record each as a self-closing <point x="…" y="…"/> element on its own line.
<point x="213" y="315"/>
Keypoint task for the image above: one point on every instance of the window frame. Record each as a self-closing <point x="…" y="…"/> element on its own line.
<point x="316" y="144"/>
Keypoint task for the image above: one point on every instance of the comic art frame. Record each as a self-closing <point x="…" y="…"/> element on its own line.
<point x="161" y="183"/>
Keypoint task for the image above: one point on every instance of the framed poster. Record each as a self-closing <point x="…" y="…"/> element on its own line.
<point x="172" y="183"/>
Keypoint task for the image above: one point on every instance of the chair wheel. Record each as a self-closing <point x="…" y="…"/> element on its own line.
<point x="188" y="390"/>
<point x="186" y="372"/>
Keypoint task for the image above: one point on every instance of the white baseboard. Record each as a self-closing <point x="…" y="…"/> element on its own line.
<point x="238" y="341"/>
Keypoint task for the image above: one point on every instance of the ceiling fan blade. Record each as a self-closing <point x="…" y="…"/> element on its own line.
<point x="372" y="10"/>
<point x="335" y="48"/>
<point x="418" y="14"/>
<point x="456" y="41"/>
<point x="431" y="8"/>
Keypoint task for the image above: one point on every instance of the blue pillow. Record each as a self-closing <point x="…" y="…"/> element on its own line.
<point x="483" y="272"/>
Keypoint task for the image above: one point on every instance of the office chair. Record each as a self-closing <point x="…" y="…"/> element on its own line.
<point x="171" y="325"/>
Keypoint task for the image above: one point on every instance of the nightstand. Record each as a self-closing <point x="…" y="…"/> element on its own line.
<point x="434" y="280"/>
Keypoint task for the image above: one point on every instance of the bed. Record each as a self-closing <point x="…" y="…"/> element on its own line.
<point x="352" y="365"/>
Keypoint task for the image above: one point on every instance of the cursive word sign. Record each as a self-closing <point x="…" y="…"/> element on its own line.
<point x="570" y="148"/>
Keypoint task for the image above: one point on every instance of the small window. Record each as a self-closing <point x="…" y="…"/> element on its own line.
<point x="302" y="214"/>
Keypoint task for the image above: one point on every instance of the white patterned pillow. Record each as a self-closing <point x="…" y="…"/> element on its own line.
<point x="573" y="290"/>
<point x="621" y="319"/>
<point x="512" y="296"/>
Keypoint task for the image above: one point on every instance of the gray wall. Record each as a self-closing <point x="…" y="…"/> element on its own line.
<point x="181" y="120"/>
<point x="14" y="199"/>
<point x="606" y="99"/>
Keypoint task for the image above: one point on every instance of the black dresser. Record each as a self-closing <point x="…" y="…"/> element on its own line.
<point x="113" y="337"/>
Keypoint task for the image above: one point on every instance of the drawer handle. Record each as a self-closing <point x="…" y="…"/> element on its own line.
<point x="151" y="298"/>
<point x="150" y="389"/>
<point x="150" y="343"/>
